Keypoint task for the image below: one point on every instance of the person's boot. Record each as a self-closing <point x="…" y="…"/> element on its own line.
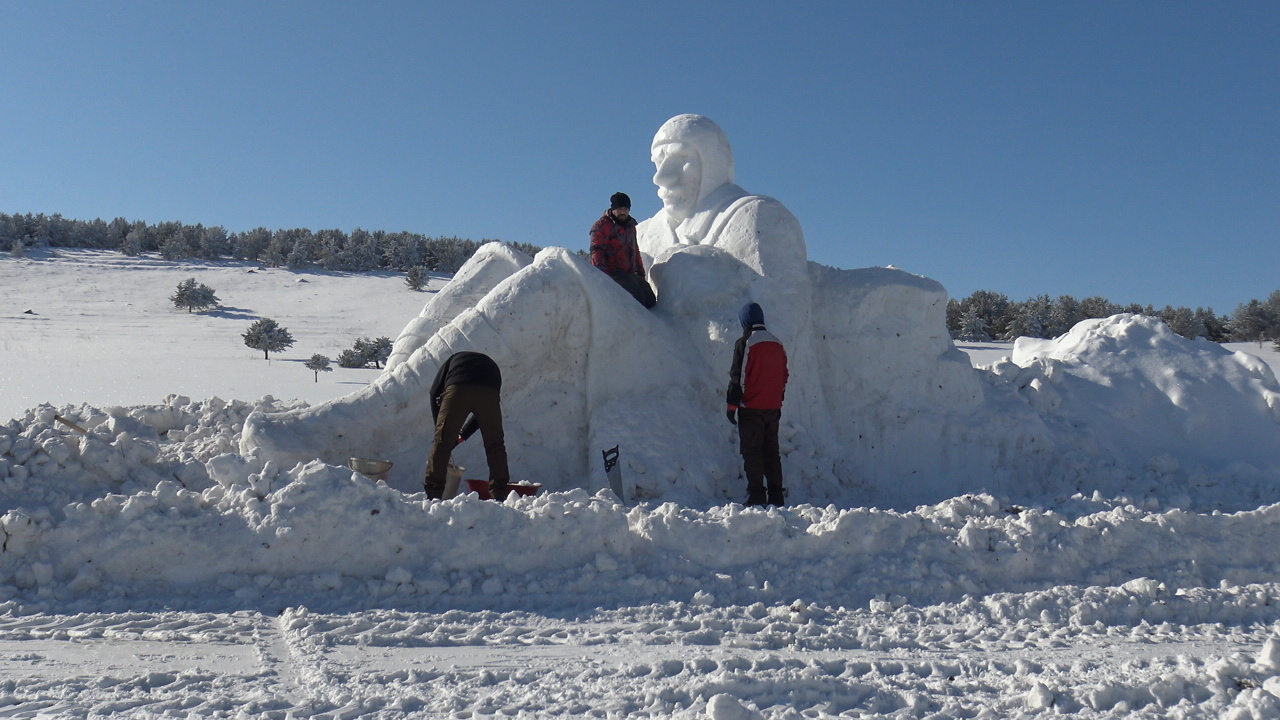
<point x="498" y="491"/>
<point x="777" y="496"/>
<point x="434" y="491"/>
<point x="756" y="497"/>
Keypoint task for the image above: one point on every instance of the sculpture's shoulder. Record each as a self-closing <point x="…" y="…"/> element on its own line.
<point x="757" y="212"/>
<point x="763" y="233"/>
<point x="655" y="235"/>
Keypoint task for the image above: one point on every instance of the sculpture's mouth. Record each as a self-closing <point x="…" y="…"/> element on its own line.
<point x="675" y="197"/>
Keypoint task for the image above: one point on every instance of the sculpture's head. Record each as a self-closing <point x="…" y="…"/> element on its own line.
<point x="693" y="159"/>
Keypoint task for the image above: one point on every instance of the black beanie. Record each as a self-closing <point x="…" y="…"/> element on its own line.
<point x="619" y="199"/>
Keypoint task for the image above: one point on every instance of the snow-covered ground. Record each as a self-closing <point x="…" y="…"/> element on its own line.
<point x="150" y="571"/>
<point x="101" y="329"/>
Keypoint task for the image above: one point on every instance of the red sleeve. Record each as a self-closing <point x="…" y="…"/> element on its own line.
<point x="599" y="243"/>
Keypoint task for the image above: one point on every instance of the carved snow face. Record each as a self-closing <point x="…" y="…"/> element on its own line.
<point x="678" y="177"/>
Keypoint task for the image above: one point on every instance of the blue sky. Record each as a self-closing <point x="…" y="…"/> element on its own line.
<point x="1125" y="149"/>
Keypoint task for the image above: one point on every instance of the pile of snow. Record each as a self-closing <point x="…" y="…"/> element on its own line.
<point x="153" y="528"/>
<point x="154" y="501"/>
<point x="1138" y="390"/>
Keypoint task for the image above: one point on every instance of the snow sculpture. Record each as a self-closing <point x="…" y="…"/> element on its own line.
<point x="491" y="264"/>
<point x="876" y="383"/>
<point x="701" y="205"/>
<point x="584" y="367"/>
<point x="876" y="374"/>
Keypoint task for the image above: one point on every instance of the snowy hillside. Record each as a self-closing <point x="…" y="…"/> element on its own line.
<point x="101" y="329"/>
<point x="149" y="569"/>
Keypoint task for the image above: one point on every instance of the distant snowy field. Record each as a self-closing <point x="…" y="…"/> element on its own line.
<point x="103" y="331"/>
<point x="156" y="576"/>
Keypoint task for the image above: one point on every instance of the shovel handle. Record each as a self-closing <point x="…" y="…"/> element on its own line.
<point x="70" y="424"/>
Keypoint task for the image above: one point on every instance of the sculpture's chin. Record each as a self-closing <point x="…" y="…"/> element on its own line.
<point x="676" y="214"/>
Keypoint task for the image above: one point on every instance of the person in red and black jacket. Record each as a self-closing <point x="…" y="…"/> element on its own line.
<point x="615" y="251"/>
<point x="757" y="383"/>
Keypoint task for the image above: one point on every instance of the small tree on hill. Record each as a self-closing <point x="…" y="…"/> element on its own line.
<point x="381" y="351"/>
<point x="366" y="352"/>
<point x="266" y="335"/>
<point x="416" y="278"/>
<point x="318" y="364"/>
<point x="193" y="296"/>
<point x="351" y="359"/>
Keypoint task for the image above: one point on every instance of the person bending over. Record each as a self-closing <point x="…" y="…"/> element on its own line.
<point x="464" y="398"/>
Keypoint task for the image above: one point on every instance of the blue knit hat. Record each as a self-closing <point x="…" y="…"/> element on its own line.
<point x="751" y="314"/>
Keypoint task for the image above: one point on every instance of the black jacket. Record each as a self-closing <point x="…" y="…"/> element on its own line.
<point x="464" y="368"/>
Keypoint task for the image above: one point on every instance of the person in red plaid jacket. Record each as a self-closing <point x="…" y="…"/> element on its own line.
<point x="615" y="251"/>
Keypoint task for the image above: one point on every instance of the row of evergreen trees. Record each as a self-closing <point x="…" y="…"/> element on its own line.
<point x="361" y="250"/>
<point x="987" y="315"/>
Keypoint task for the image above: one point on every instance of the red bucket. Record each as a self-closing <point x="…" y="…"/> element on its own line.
<point x="481" y="488"/>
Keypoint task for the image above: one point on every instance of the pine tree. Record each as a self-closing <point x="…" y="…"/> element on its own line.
<point x="303" y="249"/>
<point x="1183" y="322"/>
<point x="973" y="327"/>
<point x="1098" y="307"/>
<point x="266" y="335"/>
<point x="364" y="348"/>
<point x="1029" y="318"/>
<point x="365" y="352"/>
<point x="193" y="296"/>
<point x="373" y="351"/>
<point x="251" y="245"/>
<point x="1063" y="315"/>
<point x="277" y="251"/>
<point x="416" y="278"/>
<point x="954" y="313"/>
<point x="214" y="243"/>
<point x="381" y="351"/>
<point x="352" y="359"/>
<point x="318" y="364"/>
<point x="134" y="242"/>
<point x="993" y="308"/>
<point x="1254" y="321"/>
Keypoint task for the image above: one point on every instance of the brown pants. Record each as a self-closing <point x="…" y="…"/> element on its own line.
<point x="458" y="402"/>
<point x="758" y="430"/>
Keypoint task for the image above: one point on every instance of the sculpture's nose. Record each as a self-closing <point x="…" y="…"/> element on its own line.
<point x="667" y="173"/>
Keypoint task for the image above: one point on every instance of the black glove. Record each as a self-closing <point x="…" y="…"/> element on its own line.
<point x="732" y="414"/>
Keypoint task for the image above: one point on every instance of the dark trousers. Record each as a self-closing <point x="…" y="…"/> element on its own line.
<point x="758" y="430"/>
<point x="458" y="402"/>
<point x="638" y="288"/>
